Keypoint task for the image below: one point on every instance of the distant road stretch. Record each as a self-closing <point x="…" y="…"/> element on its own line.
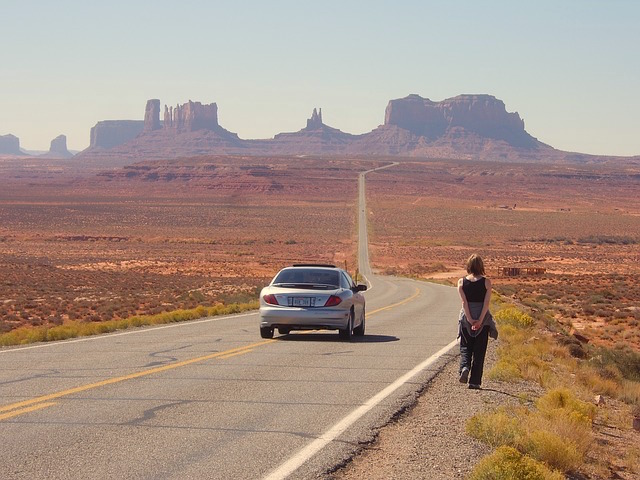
<point x="210" y="399"/>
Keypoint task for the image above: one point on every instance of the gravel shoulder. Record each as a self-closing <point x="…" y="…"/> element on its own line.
<point x="428" y="440"/>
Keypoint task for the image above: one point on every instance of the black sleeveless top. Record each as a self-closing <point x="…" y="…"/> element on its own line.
<point x="474" y="291"/>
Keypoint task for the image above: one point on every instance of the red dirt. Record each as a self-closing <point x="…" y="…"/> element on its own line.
<point x="77" y="242"/>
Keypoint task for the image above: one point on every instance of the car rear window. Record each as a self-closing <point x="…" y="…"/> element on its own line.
<point x="308" y="277"/>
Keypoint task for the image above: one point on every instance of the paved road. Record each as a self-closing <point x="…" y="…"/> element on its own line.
<point x="211" y="399"/>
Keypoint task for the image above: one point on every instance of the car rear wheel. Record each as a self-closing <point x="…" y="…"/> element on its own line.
<point x="347" y="333"/>
<point x="266" y="332"/>
<point x="359" y="330"/>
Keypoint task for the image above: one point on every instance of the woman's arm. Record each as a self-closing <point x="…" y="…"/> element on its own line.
<point x="485" y="306"/>
<point x="465" y="304"/>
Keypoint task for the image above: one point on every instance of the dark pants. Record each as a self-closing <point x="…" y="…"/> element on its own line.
<point x="472" y="352"/>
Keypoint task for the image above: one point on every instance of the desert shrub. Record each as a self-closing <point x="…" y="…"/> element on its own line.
<point x="596" y="382"/>
<point x="608" y="380"/>
<point x="10" y="338"/>
<point x="494" y="428"/>
<point x="504" y="371"/>
<point x="557" y="432"/>
<point x="72" y="329"/>
<point x="507" y="463"/>
<point x="561" y="403"/>
<point x="629" y="392"/>
<point x="10" y="318"/>
<point x="25" y="334"/>
<point x="576" y="349"/>
<point x="507" y="290"/>
<point x="608" y="239"/>
<point x="625" y="360"/>
<point x="61" y="332"/>
<point x="520" y="355"/>
<point x="551" y="449"/>
<point x="424" y="269"/>
<point x="514" y="317"/>
<point x="5" y="326"/>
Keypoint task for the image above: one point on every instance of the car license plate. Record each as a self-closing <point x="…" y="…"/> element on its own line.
<point x="301" y="301"/>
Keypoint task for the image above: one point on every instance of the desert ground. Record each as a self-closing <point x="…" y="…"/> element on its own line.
<point x="572" y="233"/>
<point x="158" y="237"/>
<point x="93" y="243"/>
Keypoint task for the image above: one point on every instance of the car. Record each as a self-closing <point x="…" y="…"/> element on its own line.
<point x="312" y="297"/>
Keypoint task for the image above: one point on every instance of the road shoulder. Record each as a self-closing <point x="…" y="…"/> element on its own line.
<point x="428" y="439"/>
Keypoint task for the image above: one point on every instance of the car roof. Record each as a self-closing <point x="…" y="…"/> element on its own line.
<point x="322" y="265"/>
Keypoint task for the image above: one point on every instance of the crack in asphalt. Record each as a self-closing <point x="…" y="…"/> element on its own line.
<point x="151" y="412"/>
<point x="165" y="358"/>
<point x="32" y="377"/>
<point x="138" y="423"/>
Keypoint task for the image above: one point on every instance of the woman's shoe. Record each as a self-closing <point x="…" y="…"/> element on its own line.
<point x="474" y="386"/>
<point x="464" y="375"/>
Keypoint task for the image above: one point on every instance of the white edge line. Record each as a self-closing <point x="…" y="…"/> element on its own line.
<point x="291" y="465"/>
<point x="368" y="281"/>
<point x="149" y="328"/>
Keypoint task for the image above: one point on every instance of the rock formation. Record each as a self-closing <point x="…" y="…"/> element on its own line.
<point x="316" y="138"/>
<point x="10" y="145"/>
<point x="191" y="116"/>
<point x="483" y="115"/>
<point x="58" y="148"/>
<point x="188" y="129"/>
<point x="152" y="115"/>
<point x="315" y="121"/>
<point x="111" y="133"/>
<point x="463" y="127"/>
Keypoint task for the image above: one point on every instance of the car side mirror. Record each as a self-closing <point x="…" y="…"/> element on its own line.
<point x="360" y="288"/>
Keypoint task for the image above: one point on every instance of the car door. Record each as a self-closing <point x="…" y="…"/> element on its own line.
<point x="358" y="298"/>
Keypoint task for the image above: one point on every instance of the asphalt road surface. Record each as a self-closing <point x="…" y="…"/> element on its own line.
<point x="210" y="399"/>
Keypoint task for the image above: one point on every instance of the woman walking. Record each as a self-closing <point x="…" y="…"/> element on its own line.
<point x="476" y="322"/>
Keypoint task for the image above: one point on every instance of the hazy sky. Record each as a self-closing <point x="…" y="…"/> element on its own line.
<point x="570" y="68"/>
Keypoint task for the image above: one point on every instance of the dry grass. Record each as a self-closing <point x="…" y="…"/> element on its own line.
<point x="507" y="463"/>
<point x="71" y="329"/>
<point x="558" y="435"/>
<point x="559" y="429"/>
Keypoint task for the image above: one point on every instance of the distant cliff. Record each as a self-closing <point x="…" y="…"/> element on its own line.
<point x="316" y="138"/>
<point x="110" y="133"/>
<point x="191" y="116"/>
<point x="483" y="115"/>
<point x="58" y="148"/>
<point x="10" y="145"/>
<point x="462" y="127"/>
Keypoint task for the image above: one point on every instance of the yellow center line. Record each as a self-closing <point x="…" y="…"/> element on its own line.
<point x="224" y="357"/>
<point x="33" y="408"/>
<point x="36" y="403"/>
<point x="143" y="373"/>
<point x="406" y="300"/>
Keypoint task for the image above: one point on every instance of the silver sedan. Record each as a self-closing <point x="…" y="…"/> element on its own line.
<point x="312" y="297"/>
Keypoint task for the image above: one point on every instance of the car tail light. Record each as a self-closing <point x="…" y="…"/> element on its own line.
<point x="270" y="299"/>
<point x="332" y="301"/>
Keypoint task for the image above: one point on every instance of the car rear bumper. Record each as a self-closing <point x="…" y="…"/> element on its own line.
<point x="309" y="318"/>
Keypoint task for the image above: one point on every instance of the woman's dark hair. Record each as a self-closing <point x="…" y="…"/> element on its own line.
<point x="475" y="265"/>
